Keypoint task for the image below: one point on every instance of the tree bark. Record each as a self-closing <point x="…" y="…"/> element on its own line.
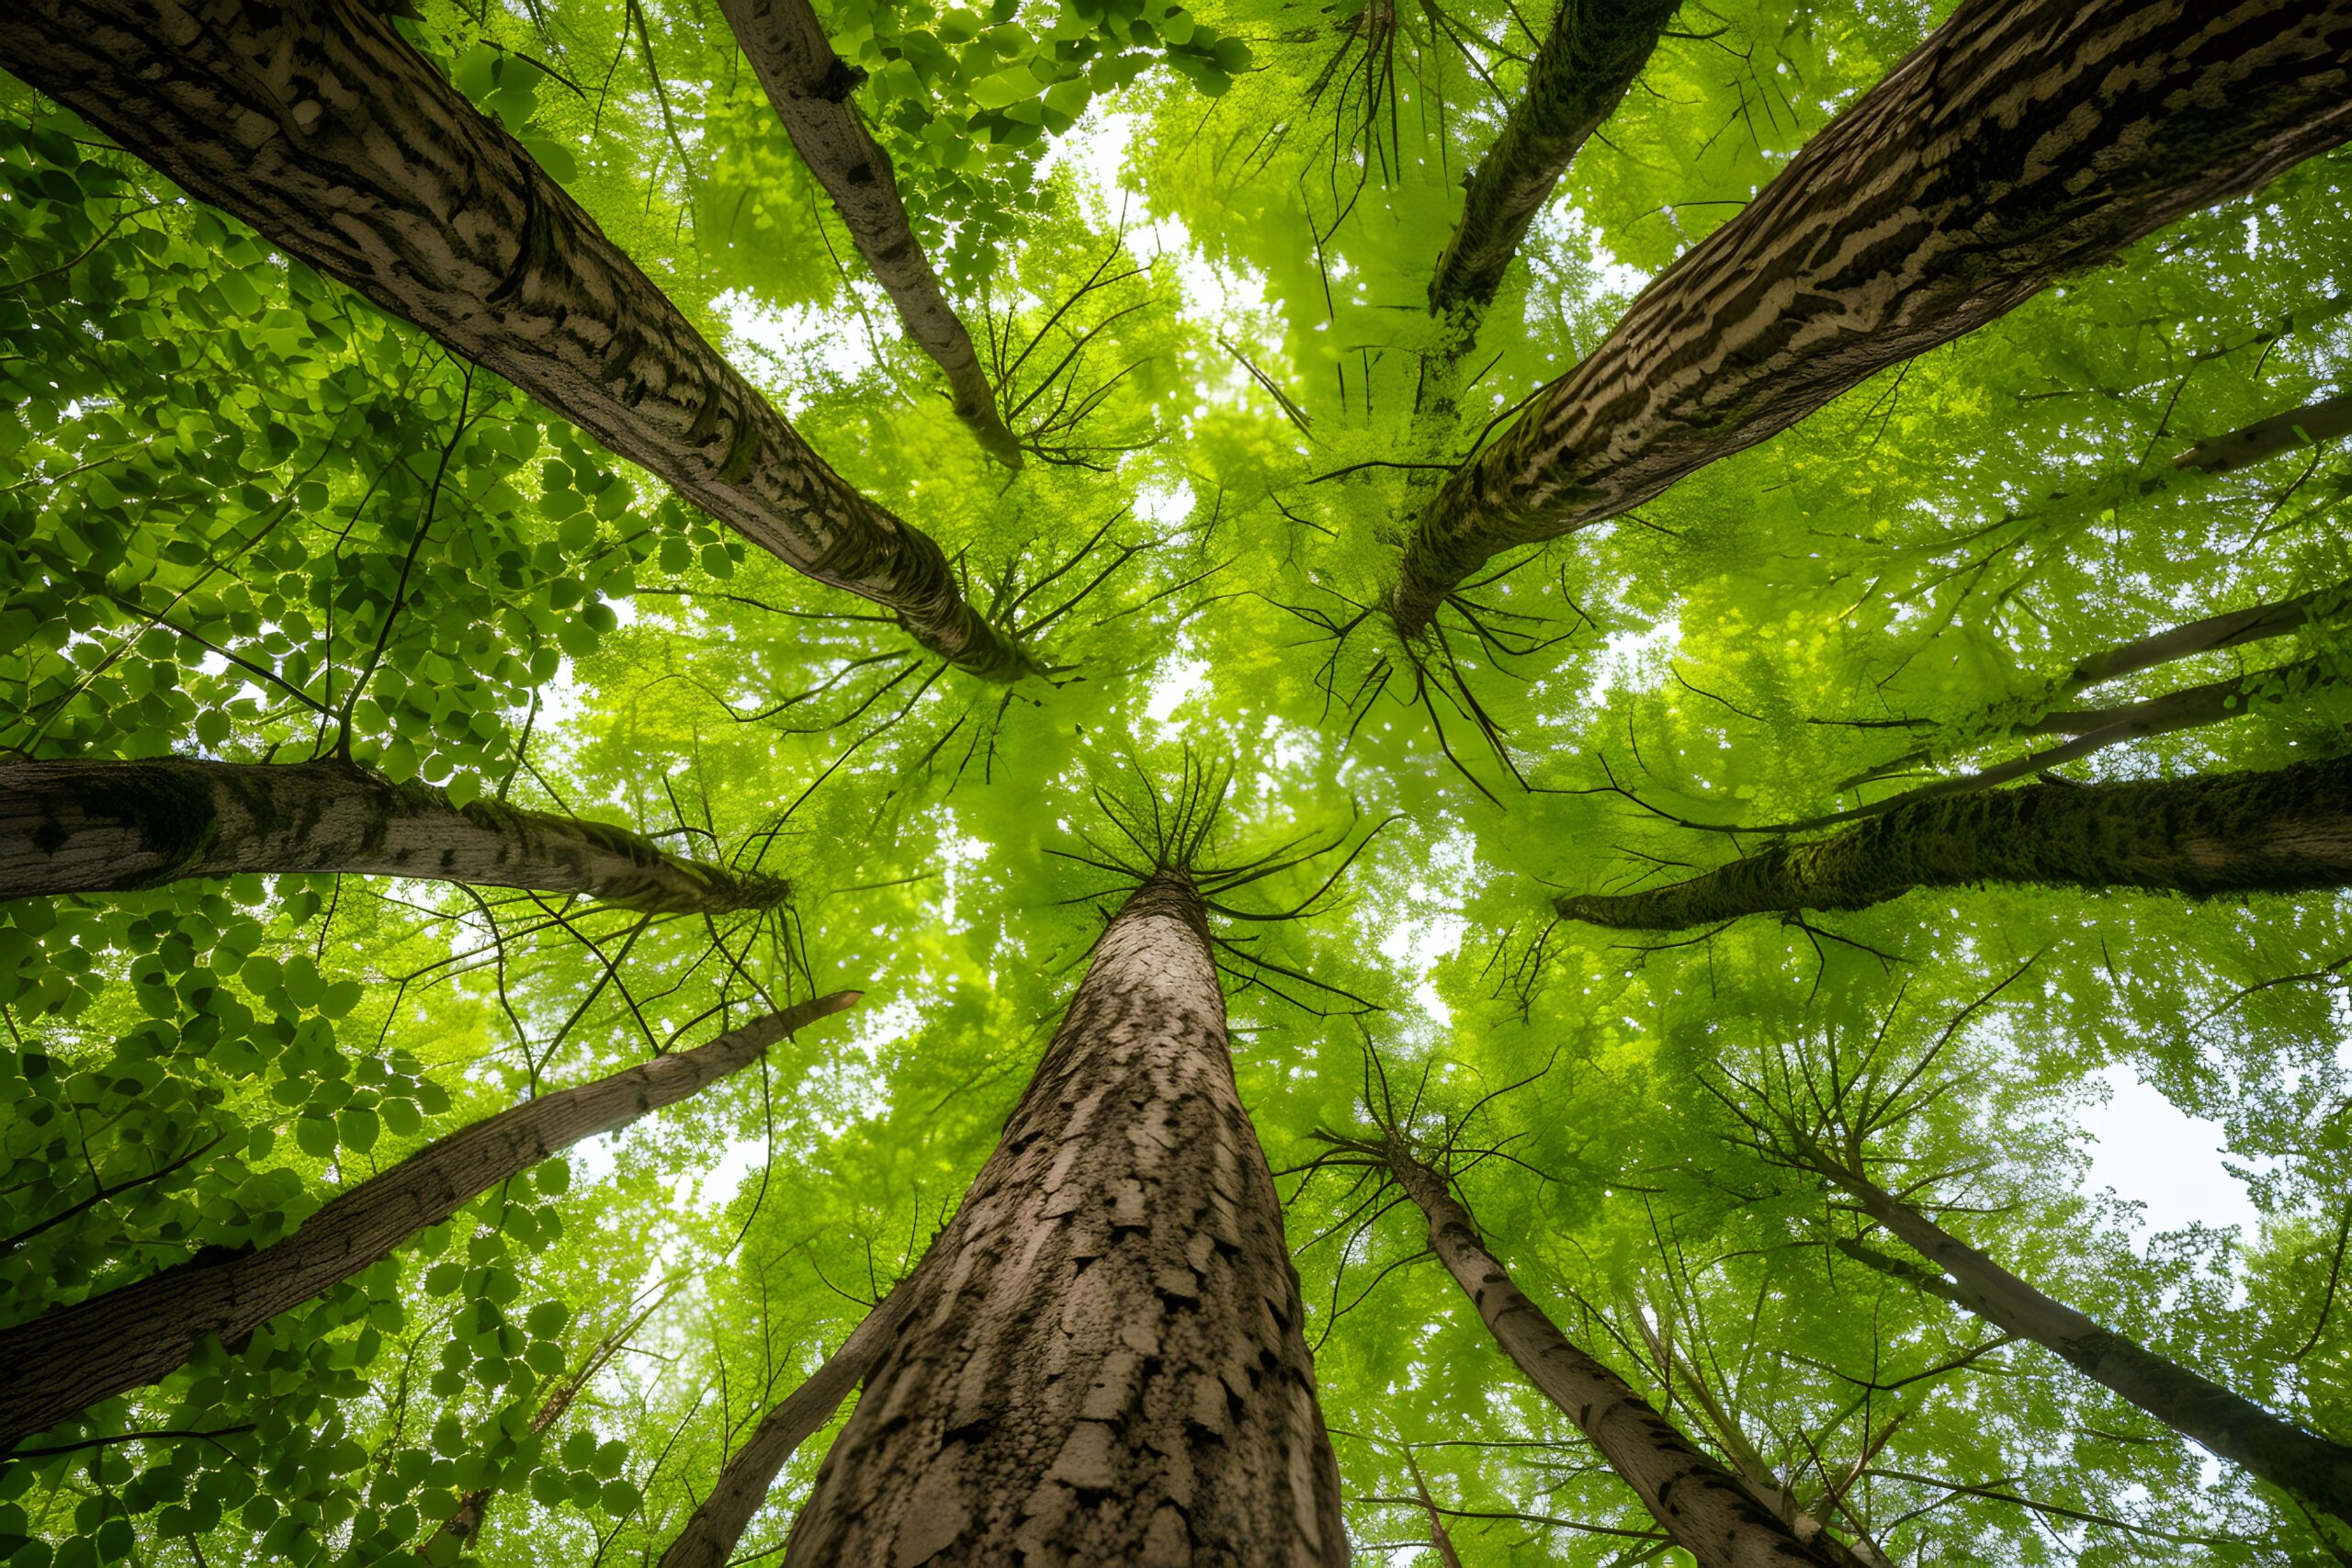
<point x="106" y="826"/>
<point x="1593" y="52"/>
<point x="321" y="127"/>
<point x="68" y="1359"/>
<point x="2324" y="421"/>
<point x="1101" y="1358"/>
<point x="2023" y="141"/>
<point x="2285" y="830"/>
<point x="1708" y="1511"/>
<point x="2233" y="628"/>
<point x="710" y="1536"/>
<point x="2270" y="1448"/>
<point x="810" y="86"/>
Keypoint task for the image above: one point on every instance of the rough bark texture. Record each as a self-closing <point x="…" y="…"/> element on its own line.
<point x="2288" y="831"/>
<point x="1707" y="1510"/>
<point x="66" y="1361"/>
<point x="105" y="826"/>
<point x="2023" y="141"/>
<point x="2277" y="1450"/>
<point x="318" y="125"/>
<point x="710" y="1536"/>
<point x="1102" y="1360"/>
<point x="811" y="87"/>
<point x="2323" y="420"/>
<point x="1593" y="52"/>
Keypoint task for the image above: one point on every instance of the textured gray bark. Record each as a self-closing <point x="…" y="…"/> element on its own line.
<point x="811" y="87"/>
<point x="1102" y="1360"/>
<point x="1709" y="1511"/>
<point x="710" y="1536"/>
<point x="2023" y="141"/>
<point x="321" y="127"/>
<point x="66" y="1361"/>
<point x="2233" y="628"/>
<point x="1591" y="55"/>
<point x="2327" y="420"/>
<point x="106" y="826"/>
<point x="2273" y="1449"/>
<point x="2285" y="830"/>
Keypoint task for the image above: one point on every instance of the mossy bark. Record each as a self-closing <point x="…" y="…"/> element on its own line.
<point x="2274" y="1450"/>
<point x="1591" y="55"/>
<point x="1101" y="1358"/>
<point x="68" y="1359"/>
<point x="321" y="127"/>
<point x="2285" y="830"/>
<point x="1707" y="1510"/>
<point x="2023" y="141"/>
<point x="109" y="826"/>
<point x="811" y="89"/>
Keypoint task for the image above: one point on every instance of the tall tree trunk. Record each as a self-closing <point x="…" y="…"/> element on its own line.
<point x="2287" y="830"/>
<point x="2232" y="629"/>
<point x="2273" y="1449"/>
<point x="1593" y="52"/>
<point x="2023" y="141"/>
<point x="744" y="1481"/>
<point x="1709" y="1512"/>
<point x="321" y="127"/>
<point x="104" y="825"/>
<point x="811" y="87"/>
<point x="2327" y="420"/>
<point x="68" y="1359"/>
<point x="1441" y="1539"/>
<point x="1101" y="1358"/>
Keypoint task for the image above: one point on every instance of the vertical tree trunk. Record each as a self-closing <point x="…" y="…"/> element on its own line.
<point x="2287" y="830"/>
<point x="1706" y="1509"/>
<point x="321" y="127"/>
<point x="1102" y="1360"/>
<point x="1593" y="52"/>
<point x="811" y="87"/>
<point x="68" y="1359"/>
<point x="102" y="826"/>
<point x="2023" y="141"/>
<point x="744" y="1481"/>
<point x="2273" y="1449"/>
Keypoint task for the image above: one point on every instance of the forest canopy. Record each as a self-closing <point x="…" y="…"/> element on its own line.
<point x="1230" y="782"/>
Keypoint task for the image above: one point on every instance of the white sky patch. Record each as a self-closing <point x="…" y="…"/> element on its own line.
<point x="1181" y="678"/>
<point x="2153" y="1154"/>
<point x="797" y="335"/>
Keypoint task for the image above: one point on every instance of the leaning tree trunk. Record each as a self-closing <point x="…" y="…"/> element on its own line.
<point x="320" y="126"/>
<point x="1705" y="1508"/>
<point x="710" y="1536"/>
<point x="1101" y="1358"/>
<point x="68" y="1359"/>
<point x="811" y="87"/>
<point x="2023" y="141"/>
<point x="106" y="826"/>
<point x="2327" y="420"/>
<point x="2274" y="1450"/>
<point x="2284" y="831"/>
<point x="1592" y="54"/>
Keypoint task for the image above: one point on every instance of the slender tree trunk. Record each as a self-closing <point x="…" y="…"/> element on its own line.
<point x="67" y="1359"/>
<point x="2327" y="420"/>
<point x="105" y="826"/>
<point x="2023" y="141"/>
<point x="2233" y="628"/>
<point x="1440" y="1539"/>
<point x="1101" y="1358"/>
<point x="466" y="1520"/>
<point x="811" y="87"/>
<point x="710" y="1536"/>
<point x="1709" y="1512"/>
<point x="2272" y="1448"/>
<point x="2288" y="831"/>
<point x="1593" y="52"/>
<point x="321" y="127"/>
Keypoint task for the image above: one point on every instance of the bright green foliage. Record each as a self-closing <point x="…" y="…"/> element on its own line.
<point x="243" y="514"/>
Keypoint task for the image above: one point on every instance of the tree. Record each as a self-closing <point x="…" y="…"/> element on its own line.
<point x="465" y="651"/>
